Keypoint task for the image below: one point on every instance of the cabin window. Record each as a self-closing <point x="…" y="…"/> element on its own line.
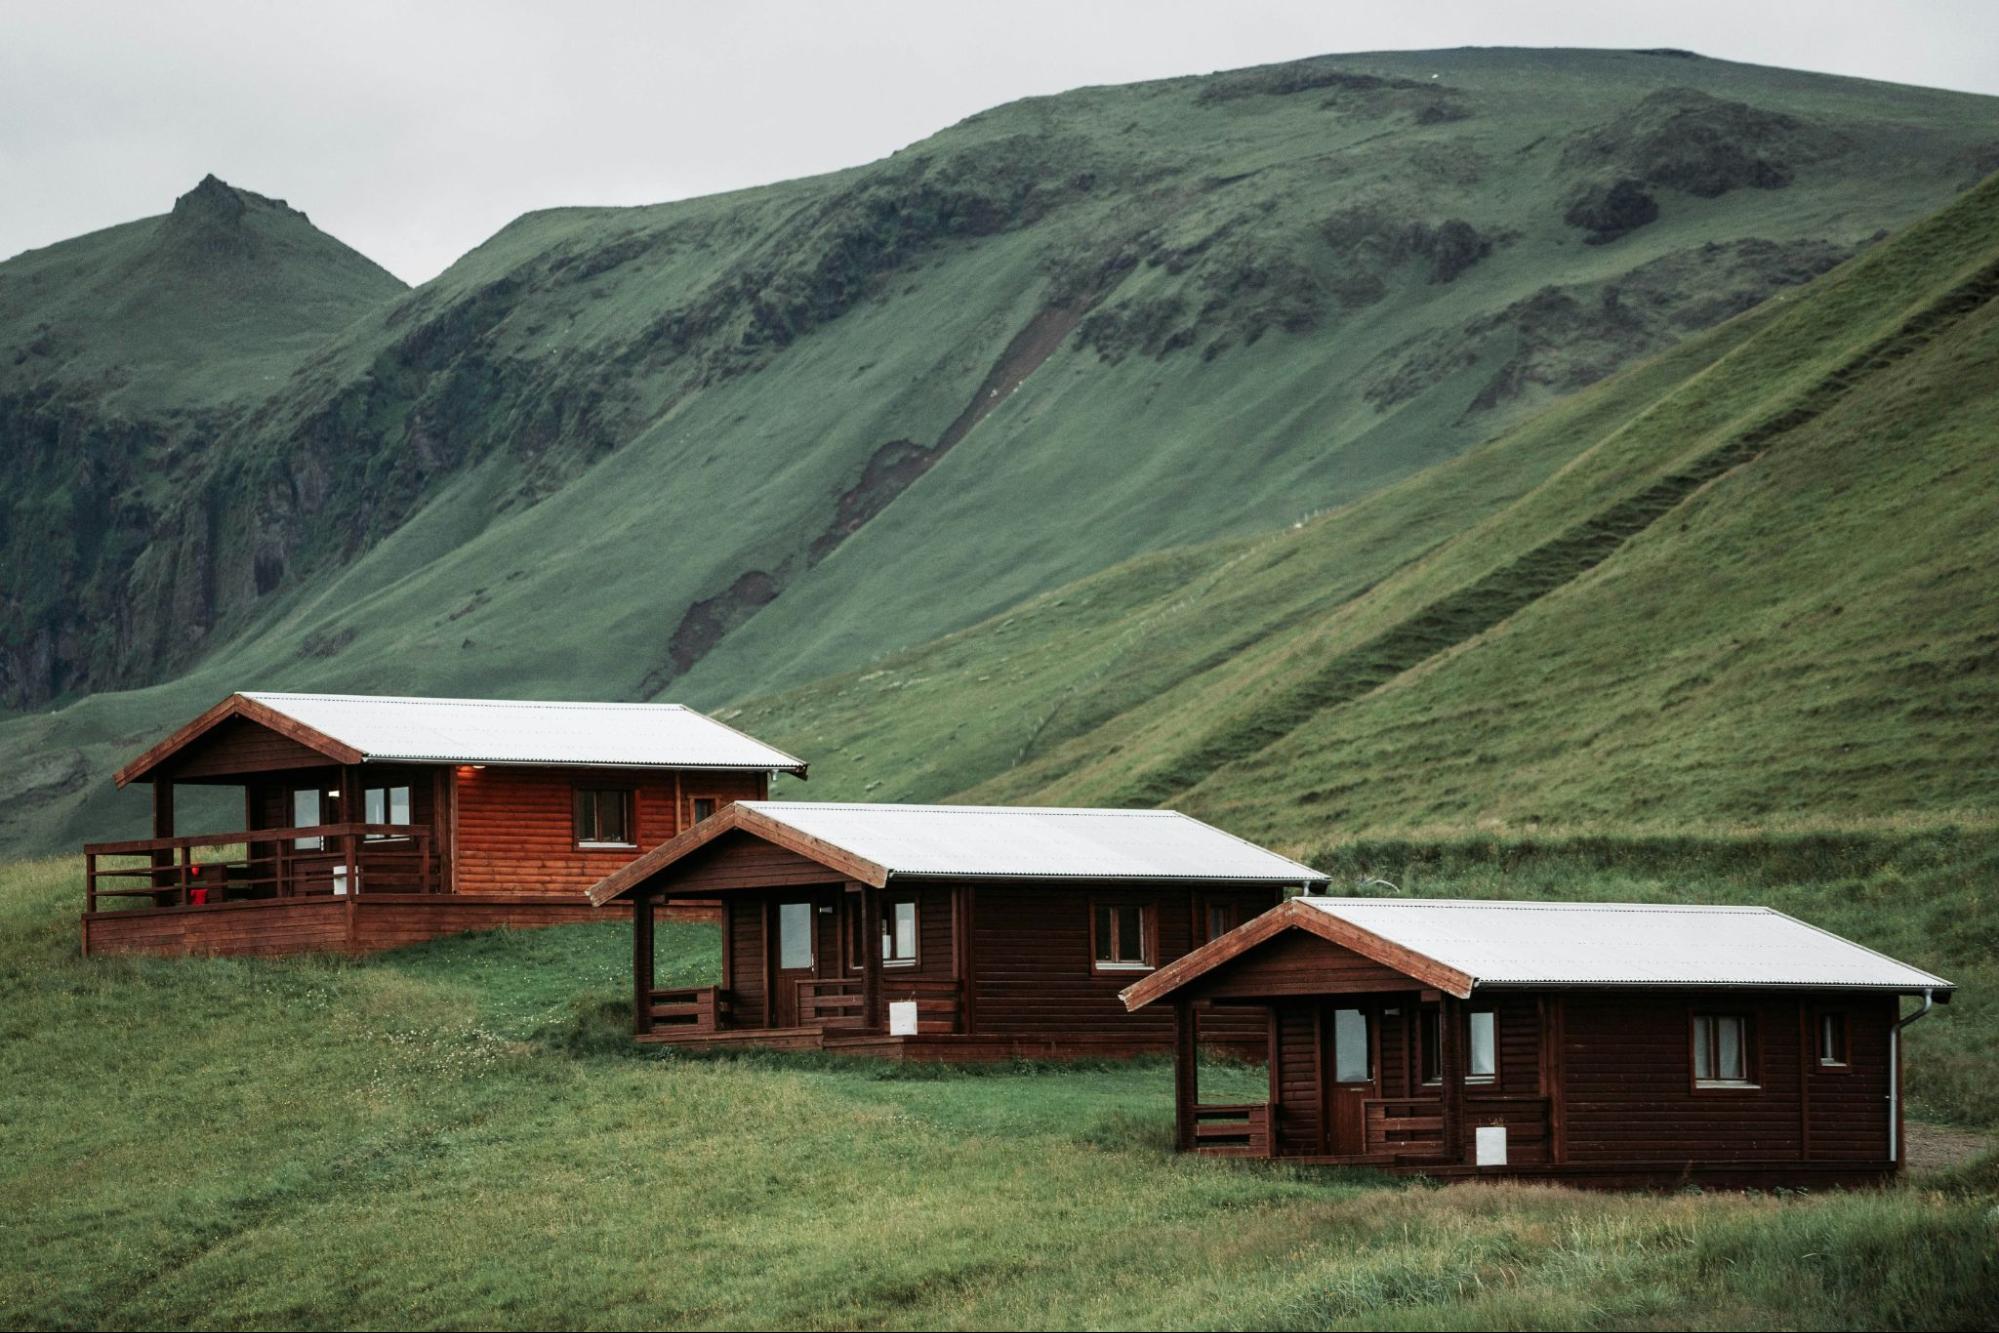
<point x="308" y="811"/>
<point x="603" y="817"/>
<point x="1221" y="919"/>
<point x="1721" y="1051"/>
<point x="385" y="805"/>
<point x="899" y="933"/>
<point x="1353" y="1056"/>
<point x="794" y="935"/>
<point x="1482" y="1048"/>
<point x="704" y="806"/>
<point x="1832" y="1041"/>
<point x="1121" y="936"/>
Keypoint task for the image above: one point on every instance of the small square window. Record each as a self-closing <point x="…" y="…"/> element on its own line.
<point x="1122" y="936"/>
<point x="603" y="817"/>
<point x="704" y="806"/>
<point x="1721" y="1051"/>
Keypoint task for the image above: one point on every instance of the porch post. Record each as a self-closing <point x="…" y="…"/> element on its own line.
<point x="1451" y="1072"/>
<point x="162" y="858"/>
<point x="1186" y="1072"/>
<point x="871" y="958"/>
<point x="642" y="975"/>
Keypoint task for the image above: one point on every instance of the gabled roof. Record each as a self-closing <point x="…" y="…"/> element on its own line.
<point x="1501" y="945"/>
<point x="875" y="843"/>
<point x="366" y="728"/>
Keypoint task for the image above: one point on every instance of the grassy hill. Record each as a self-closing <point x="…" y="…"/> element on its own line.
<point x="1746" y="583"/>
<point x="725" y="447"/>
<point x="462" y="1135"/>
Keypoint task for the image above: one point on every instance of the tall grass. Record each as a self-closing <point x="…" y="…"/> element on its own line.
<point x="459" y="1135"/>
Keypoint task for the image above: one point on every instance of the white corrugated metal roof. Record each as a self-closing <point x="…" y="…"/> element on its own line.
<point x="510" y="731"/>
<point x="1624" y="944"/>
<point x="1035" y="842"/>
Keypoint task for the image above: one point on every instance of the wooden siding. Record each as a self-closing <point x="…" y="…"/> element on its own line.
<point x="1032" y="973"/>
<point x="743" y="861"/>
<point x="237" y="746"/>
<point x="329" y="925"/>
<point x="1294" y="963"/>
<point x="515" y="830"/>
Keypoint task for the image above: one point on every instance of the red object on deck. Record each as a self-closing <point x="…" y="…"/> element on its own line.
<point x="199" y="897"/>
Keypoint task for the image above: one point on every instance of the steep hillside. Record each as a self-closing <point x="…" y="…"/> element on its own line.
<point x="1746" y="583"/>
<point x="125" y="356"/>
<point x="1067" y="331"/>
<point x="722" y="447"/>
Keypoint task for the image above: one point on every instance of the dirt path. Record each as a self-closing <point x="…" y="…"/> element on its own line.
<point x="1940" y="1147"/>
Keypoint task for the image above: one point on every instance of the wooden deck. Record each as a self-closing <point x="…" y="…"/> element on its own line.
<point x="359" y="924"/>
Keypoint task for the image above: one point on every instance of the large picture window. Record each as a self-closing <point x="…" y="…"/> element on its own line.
<point x="1121" y="936"/>
<point x="603" y="817"/>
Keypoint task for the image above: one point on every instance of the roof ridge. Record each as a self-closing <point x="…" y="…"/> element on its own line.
<point x="915" y="807"/>
<point x="326" y="696"/>
<point x="1529" y="906"/>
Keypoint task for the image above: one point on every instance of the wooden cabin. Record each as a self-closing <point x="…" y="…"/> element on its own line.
<point x="942" y="932"/>
<point x="372" y="821"/>
<point x="1590" y="1043"/>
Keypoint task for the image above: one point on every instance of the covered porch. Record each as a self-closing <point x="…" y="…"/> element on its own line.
<point x="1393" y="1079"/>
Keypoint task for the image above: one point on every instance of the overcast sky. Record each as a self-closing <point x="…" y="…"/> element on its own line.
<point x="413" y="131"/>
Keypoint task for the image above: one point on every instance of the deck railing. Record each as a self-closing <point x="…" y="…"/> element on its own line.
<point x="209" y="869"/>
<point x="840" y="1002"/>
<point x="1233" y="1131"/>
<point x="691" y="1008"/>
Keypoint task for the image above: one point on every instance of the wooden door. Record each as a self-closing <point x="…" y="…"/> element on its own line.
<point x="794" y="923"/>
<point x="1350" y="1077"/>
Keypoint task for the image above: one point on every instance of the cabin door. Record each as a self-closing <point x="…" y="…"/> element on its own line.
<point x="1349" y="1065"/>
<point x="794" y="954"/>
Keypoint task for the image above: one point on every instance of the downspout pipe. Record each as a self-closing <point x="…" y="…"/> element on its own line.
<point x="1895" y="1076"/>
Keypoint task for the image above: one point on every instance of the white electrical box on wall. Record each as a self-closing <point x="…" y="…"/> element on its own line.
<point x="902" y="1018"/>
<point x="1490" y="1145"/>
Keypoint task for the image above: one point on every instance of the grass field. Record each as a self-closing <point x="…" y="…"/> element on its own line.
<point x="460" y="1135"/>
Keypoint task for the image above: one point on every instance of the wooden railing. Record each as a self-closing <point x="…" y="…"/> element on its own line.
<point x="1414" y="1126"/>
<point x="840" y="1002"/>
<point x="1233" y="1131"/>
<point x="692" y="1008"/>
<point x="209" y="869"/>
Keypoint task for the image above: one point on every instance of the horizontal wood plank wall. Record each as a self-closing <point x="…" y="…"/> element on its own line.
<point x="1294" y="1077"/>
<point x="746" y="961"/>
<point x="1294" y="963"/>
<point x="322" y="925"/>
<point x="516" y="831"/>
<point x="1848" y="1110"/>
<point x="1629" y="1094"/>
<point x="236" y="746"/>
<point x="239" y="929"/>
<point x="742" y="861"/>
<point x="1034" y="979"/>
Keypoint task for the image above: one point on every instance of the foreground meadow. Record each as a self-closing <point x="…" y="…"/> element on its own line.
<point x="458" y="1135"/>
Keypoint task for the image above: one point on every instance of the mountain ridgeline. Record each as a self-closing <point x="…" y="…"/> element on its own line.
<point x="751" y="445"/>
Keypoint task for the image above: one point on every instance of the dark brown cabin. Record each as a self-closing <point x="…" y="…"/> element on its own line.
<point x="372" y="821"/>
<point x="942" y="932"/>
<point x="1599" y="1044"/>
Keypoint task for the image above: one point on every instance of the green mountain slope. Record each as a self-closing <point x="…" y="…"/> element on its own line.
<point x="1748" y="582"/>
<point x="718" y="448"/>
